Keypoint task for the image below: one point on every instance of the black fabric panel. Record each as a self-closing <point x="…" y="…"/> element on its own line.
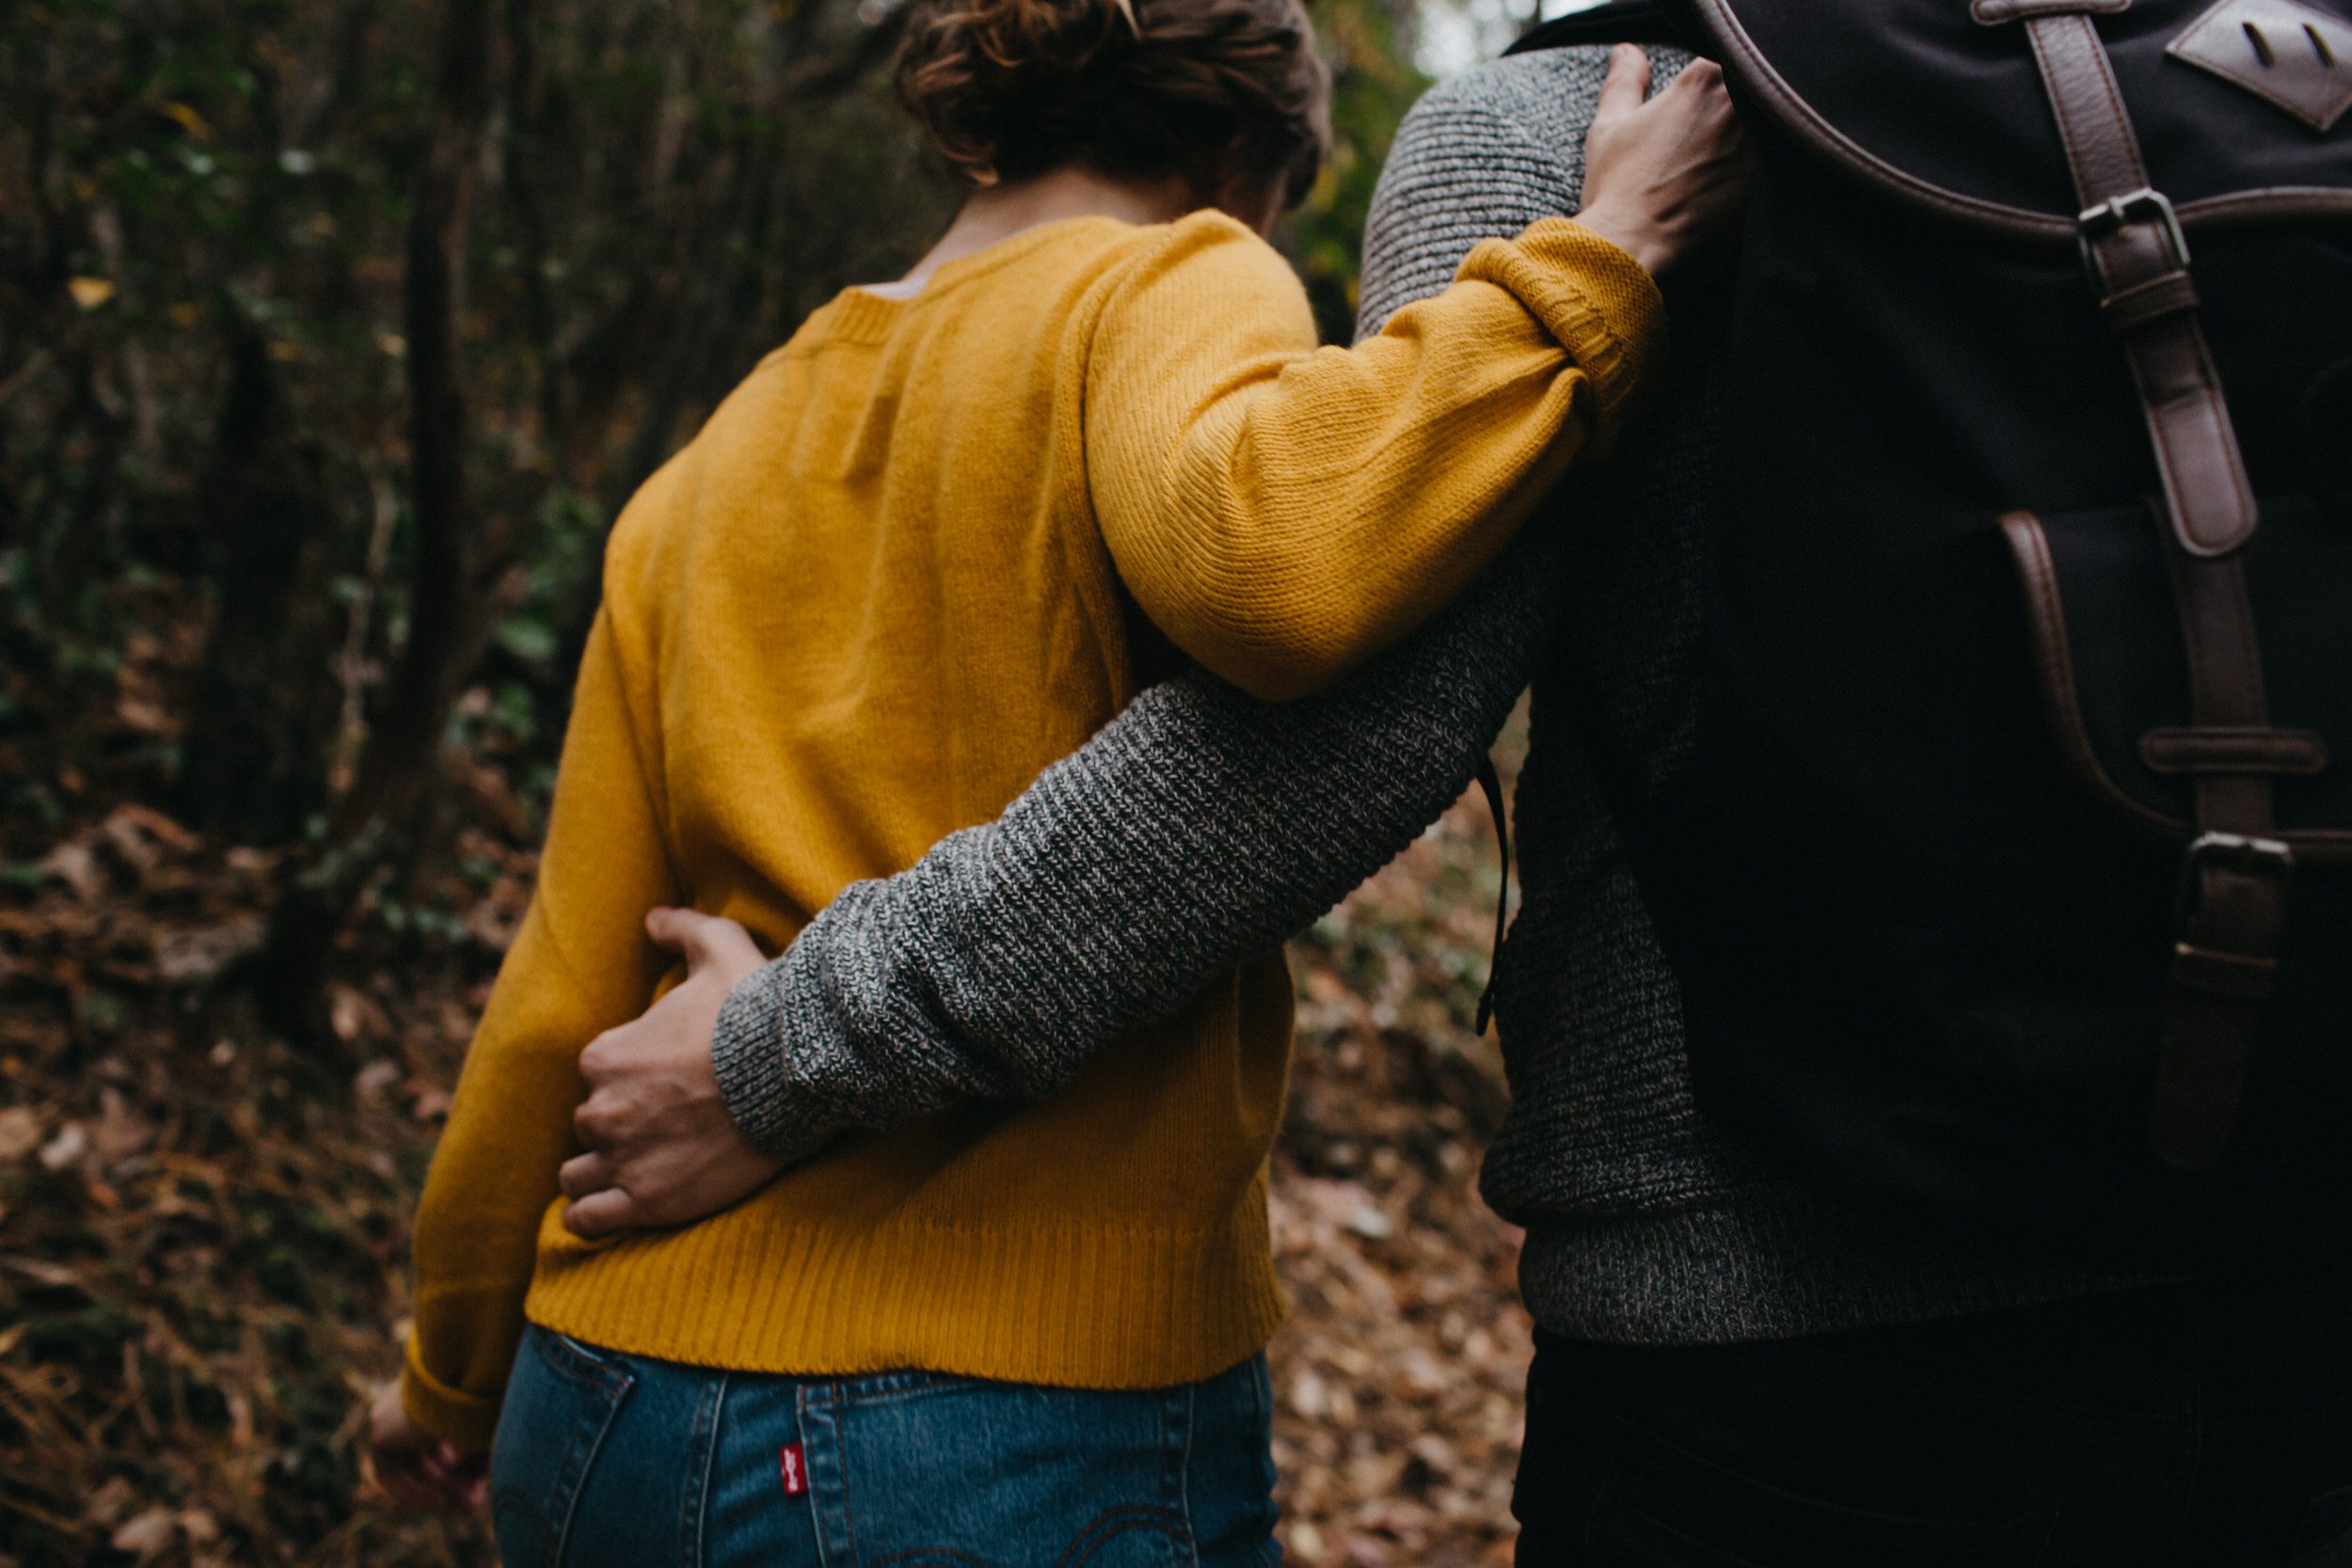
<point x="1919" y="964"/>
<point x="1928" y="88"/>
<point x="1619" y="22"/>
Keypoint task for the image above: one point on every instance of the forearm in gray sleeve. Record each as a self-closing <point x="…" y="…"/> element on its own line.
<point x="1201" y="828"/>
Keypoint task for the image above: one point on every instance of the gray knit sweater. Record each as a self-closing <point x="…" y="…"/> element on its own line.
<point x="1202" y="828"/>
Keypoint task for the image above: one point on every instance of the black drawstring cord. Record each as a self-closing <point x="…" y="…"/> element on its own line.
<point x="1491" y="782"/>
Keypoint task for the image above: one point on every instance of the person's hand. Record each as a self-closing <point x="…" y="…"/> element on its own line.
<point x="415" y="1468"/>
<point x="1662" y="175"/>
<point x="661" y="1148"/>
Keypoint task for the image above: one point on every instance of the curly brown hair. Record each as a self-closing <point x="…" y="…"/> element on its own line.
<point x="1228" y="95"/>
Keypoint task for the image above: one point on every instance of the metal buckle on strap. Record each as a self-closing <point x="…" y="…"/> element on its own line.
<point x="2269" y="857"/>
<point x="2227" y="949"/>
<point x="2262" y="859"/>
<point x="2119" y="211"/>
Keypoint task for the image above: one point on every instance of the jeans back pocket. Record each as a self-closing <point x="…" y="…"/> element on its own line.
<point x="560" y="1404"/>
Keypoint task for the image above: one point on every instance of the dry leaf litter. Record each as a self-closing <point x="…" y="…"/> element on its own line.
<point x="203" y="1229"/>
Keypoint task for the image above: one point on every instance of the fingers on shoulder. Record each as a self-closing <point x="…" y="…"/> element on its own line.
<point x="599" y="1122"/>
<point x="1705" y="80"/>
<point x="1627" y="84"/>
<point x="585" y="1174"/>
<point x="1701" y="75"/>
<point x="600" y="1059"/>
<point x="599" y="1214"/>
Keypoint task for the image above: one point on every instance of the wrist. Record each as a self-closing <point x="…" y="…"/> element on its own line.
<point x="776" y="1116"/>
<point x="1636" y="238"/>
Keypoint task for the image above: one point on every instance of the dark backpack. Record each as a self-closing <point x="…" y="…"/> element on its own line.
<point x="2010" y="885"/>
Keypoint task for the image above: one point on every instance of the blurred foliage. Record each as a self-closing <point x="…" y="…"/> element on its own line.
<point x="202" y="219"/>
<point x="203" y="216"/>
<point x="214" y="552"/>
<point x="1374" y="83"/>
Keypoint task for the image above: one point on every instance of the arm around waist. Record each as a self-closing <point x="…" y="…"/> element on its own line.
<point x="1201" y="829"/>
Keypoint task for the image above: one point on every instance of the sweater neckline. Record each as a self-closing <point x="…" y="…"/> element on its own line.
<point x="858" y="314"/>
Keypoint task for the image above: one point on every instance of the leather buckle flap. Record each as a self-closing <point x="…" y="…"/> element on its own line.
<point x="2290" y="56"/>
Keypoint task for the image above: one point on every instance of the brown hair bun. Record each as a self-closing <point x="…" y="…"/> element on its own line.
<point x="1221" y="93"/>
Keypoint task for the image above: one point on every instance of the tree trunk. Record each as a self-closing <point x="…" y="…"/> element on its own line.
<point x="263" y="715"/>
<point x="450" y="579"/>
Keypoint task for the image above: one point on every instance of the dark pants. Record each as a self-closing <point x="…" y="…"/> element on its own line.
<point x="2178" y="1425"/>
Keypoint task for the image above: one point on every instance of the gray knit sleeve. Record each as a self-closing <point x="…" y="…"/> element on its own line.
<point x="1484" y="154"/>
<point x="1201" y="829"/>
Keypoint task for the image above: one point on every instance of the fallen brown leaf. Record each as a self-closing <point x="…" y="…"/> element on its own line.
<point x="75" y="866"/>
<point x="146" y="1534"/>
<point x="69" y="1145"/>
<point x="20" y="1134"/>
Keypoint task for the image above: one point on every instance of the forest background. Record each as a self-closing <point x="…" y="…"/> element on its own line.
<point x="332" y="334"/>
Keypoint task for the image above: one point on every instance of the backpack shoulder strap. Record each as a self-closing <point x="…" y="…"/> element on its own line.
<point x="2234" y="882"/>
<point x="2139" y="262"/>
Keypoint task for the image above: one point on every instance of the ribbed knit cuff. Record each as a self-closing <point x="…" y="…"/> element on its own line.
<point x="1769" y="1261"/>
<point x="465" y="1422"/>
<point x="1601" y="304"/>
<point x="749" y="1055"/>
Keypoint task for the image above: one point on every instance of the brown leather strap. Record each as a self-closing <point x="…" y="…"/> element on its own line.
<point x="2225" y="684"/>
<point x="2234" y="883"/>
<point x="2144" y="302"/>
<point x="2226" y="749"/>
<point x="2135" y="249"/>
<point x="2234" y="898"/>
<point x="2100" y="145"/>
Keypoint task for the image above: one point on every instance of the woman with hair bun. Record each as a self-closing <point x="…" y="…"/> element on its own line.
<point x="927" y="547"/>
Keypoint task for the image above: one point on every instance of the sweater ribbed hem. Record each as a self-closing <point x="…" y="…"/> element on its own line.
<point x="1101" y="1307"/>
<point x="1771" y="1265"/>
<point x="465" y="1422"/>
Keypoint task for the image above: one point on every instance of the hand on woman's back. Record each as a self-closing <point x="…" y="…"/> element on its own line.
<point x="1661" y="176"/>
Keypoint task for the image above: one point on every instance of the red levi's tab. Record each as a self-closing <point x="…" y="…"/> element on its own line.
<point x="795" y="1467"/>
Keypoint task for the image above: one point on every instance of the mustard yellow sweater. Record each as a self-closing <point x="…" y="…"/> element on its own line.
<point x="909" y="563"/>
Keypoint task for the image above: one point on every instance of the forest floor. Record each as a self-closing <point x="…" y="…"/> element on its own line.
<point x="203" y="1232"/>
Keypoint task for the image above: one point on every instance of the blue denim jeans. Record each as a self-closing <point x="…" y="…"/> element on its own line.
<point x="612" y="1461"/>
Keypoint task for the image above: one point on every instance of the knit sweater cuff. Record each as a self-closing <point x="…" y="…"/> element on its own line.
<point x="1599" y="302"/>
<point x="465" y="1422"/>
<point x="749" y="1054"/>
